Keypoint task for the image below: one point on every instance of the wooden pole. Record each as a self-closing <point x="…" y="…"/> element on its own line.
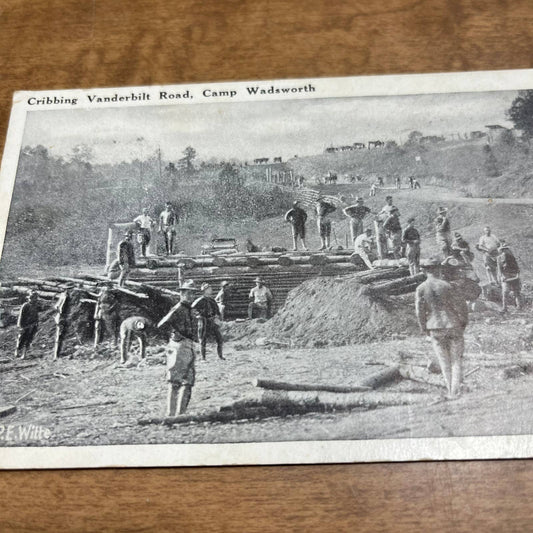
<point x="110" y="248"/>
<point x="279" y="385"/>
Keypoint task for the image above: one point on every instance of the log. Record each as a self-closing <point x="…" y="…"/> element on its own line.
<point x="385" y="377"/>
<point x="6" y="410"/>
<point x="279" y="385"/>
<point x="421" y="375"/>
<point x="387" y="286"/>
<point x="286" y="260"/>
<point x="318" y="260"/>
<point x="371" y="276"/>
<point x="84" y="406"/>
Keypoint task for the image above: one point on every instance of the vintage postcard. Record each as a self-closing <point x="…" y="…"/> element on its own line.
<point x="266" y="272"/>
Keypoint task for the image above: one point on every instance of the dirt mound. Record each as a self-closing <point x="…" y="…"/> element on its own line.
<point x="332" y="312"/>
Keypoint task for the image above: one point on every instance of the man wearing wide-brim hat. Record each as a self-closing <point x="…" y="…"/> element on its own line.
<point x="208" y="313"/>
<point x="509" y="275"/>
<point x="180" y="350"/>
<point x="442" y="314"/>
<point x="261" y="300"/>
<point x="443" y="234"/>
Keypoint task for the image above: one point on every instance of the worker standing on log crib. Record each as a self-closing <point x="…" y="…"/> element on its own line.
<point x="180" y="351"/>
<point x="61" y="307"/>
<point x="145" y="224"/>
<point x="443" y="233"/>
<point x="28" y="324"/>
<point x="442" y="313"/>
<point x="356" y="213"/>
<point x="393" y="230"/>
<point x="208" y="314"/>
<point x="323" y="210"/>
<point x="509" y="276"/>
<point x="222" y="299"/>
<point x="106" y="316"/>
<point x="411" y="240"/>
<point x="126" y="257"/>
<point x="168" y="220"/>
<point x="380" y="219"/>
<point x="133" y="327"/>
<point x="261" y="300"/>
<point x="297" y="217"/>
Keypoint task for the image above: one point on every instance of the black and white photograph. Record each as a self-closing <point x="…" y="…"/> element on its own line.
<point x="324" y="270"/>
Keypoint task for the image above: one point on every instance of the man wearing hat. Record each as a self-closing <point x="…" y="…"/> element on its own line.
<point x="460" y="249"/>
<point x="443" y="233"/>
<point x="126" y="257"/>
<point x="411" y="240"/>
<point x="356" y="213"/>
<point x="261" y="300"/>
<point x="297" y="217"/>
<point x="133" y="327"/>
<point x="28" y="324"/>
<point x="442" y="314"/>
<point x="180" y="350"/>
<point x="509" y="275"/>
<point x="222" y="299"/>
<point x="488" y="245"/>
<point x="393" y="230"/>
<point x="207" y="312"/>
<point x="323" y="210"/>
<point x="363" y="247"/>
<point x="168" y="219"/>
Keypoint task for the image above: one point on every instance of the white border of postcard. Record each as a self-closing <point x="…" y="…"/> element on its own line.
<point x="407" y="449"/>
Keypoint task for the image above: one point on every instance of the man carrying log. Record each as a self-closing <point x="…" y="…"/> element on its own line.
<point x="411" y="241"/>
<point x="145" y="223"/>
<point x="509" y="276"/>
<point x="356" y="213"/>
<point x="133" y="327"/>
<point x="442" y="232"/>
<point x="107" y="316"/>
<point x="488" y="246"/>
<point x="126" y="257"/>
<point x="61" y="307"/>
<point x="168" y="220"/>
<point x="393" y="230"/>
<point x="297" y="218"/>
<point x="323" y="210"/>
<point x="363" y="247"/>
<point x="208" y="313"/>
<point x="442" y="313"/>
<point x="28" y="324"/>
<point x="261" y="300"/>
<point x="222" y="299"/>
<point x="180" y="351"/>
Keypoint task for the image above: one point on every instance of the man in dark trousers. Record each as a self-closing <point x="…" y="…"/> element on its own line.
<point x="509" y="275"/>
<point x="126" y="257"/>
<point x="180" y="350"/>
<point x="133" y="327"/>
<point x="62" y="308"/>
<point x="208" y="313"/>
<point x="411" y="240"/>
<point x="28" y="324"/>
<point x="107" y="316"/>
<point x="323" y="210"/>
<point x="168" y="220"/>
<point x="442" y="313"/>
<point x="260" y="300"/>
<point x="297" y="217"/>
<point x="356" y="213"/>
<point x="393" y="230"/>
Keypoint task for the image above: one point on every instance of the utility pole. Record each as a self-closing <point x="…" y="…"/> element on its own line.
<point x="159" y="160"/>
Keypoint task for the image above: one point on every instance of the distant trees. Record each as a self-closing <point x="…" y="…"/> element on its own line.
<point x="186" y="163"/>
<point x="414" y="137"/>
<point x="521" y="113"/>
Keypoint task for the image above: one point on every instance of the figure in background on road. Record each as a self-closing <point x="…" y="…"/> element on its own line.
<point x="168" y="220"/>
<point x="222" y="299"/>
<point x="509" y="276"/>
<point x="297" y="218"/>
<point x="107" y="316"/>
<point x="416" y="184"/>
<point x="180" y="351"/>
<point x="398" y="182"/>
<point x="28" y="324"/>
<point x="411" y="182"/>
<point x="61" y="307"/>
<point x="442" y="314"/>
<point x="411" y="241"/>
<point x="145" y="224"/>
<point x="460" y="249"/>
<point x="442" y="232"/>
<point x="323" y="211"/>
<point x="393" y="230"/>
<point x="133" y="327"/>
<point x="261" y="300"/>
<point x="488" y="245"/>
<point x="207" y="311"/>
<point x="380" y="181"/>
<point x="125" y="257"/>
<point x="363" y="247"/>
<point x="301" y="181"/>
<point x="356" y="213"/>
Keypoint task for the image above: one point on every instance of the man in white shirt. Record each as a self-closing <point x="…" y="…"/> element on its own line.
<point x="261" y="300"/>
<point x="488" y="245"/>
<point x="363" y="246"/>
<point x="145" y="224"/>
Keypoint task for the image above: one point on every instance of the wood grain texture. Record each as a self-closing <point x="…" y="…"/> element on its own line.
<point x="51" y="44"/>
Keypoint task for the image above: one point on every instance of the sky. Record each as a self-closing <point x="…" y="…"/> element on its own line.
<point x="246" y="131"/>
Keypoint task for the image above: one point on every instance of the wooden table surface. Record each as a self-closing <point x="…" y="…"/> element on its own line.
<point x="53" y="44"/>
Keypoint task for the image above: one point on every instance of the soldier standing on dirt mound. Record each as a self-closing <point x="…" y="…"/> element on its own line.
<point x="442" y="313"/>
<point x="297" y="217"/>
<point x="28" y="324"/>
<point x="180" y="351"/>
<point x="208" y="314"/>
<point x="443" y="233"/>
<point x="411" y="240"/>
